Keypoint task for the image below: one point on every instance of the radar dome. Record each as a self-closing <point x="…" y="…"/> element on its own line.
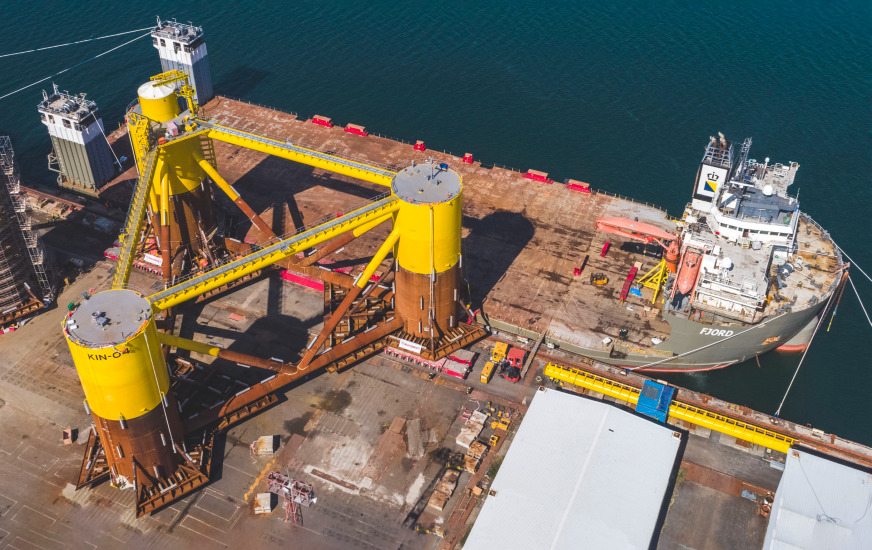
<point x="727" y="264"/>
<point x="768" y="190"/>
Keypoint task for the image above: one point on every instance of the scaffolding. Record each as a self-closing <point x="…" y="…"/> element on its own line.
<point x="35" y="250"/>
<point x="295" y="494"/>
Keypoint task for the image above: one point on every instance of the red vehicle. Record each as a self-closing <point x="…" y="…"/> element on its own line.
<point x="513" y="365"/>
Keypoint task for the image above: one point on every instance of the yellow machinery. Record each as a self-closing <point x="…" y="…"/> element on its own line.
<point x="655" y="278"/>
<point x="139" y="438"/>
<point x="159" y="100"/>
<point x="487" y="372"/>
<point x="500" y="425"/>
<point x="598" y="279"/>
<point x="499" y="352"/>
<point x="683" y="411"/>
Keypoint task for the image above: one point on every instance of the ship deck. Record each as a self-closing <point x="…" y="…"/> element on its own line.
<point x="522" y="238"/>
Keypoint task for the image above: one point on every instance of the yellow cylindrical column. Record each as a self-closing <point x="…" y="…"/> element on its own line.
<point x="113" y="341"/>
<point x="182" y="164"/>
<point x="117" y="354"/>
<point x="430" y="235"/>
<point x="429" y="218"/>
<point x="159" y="103"/>
<point x="428" y="249"/>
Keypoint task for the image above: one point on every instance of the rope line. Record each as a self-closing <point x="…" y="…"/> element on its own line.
<point x="73" y="67"/>
<point x="162" y="394"/>
<point x="853" y="262"/>
<point x="73" y="43"/>
<point x="804" y="352"/>
<point x="866" y="313"/>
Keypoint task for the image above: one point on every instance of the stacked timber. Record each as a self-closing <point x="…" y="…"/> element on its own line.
<point x="444" y="490"/>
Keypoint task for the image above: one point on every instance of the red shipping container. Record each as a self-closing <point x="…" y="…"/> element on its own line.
<point x="356" y="129"/>
<point x="322" y="121"/>
<point x="576" y="185"/>
<point x="536" y="175"/>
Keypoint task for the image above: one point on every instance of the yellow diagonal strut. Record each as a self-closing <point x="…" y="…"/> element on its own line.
<point x="264" y="257"/>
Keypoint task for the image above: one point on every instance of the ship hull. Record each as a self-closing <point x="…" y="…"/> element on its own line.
<point x="687" y="335"/>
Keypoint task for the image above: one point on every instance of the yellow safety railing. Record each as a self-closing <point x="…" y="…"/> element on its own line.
<point x="593" y="382"/>
<point x="678" y="410"/>
<point x="316" y="159"/>
<point x="731" y="426"/>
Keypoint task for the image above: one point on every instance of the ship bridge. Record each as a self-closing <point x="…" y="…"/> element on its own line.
<point x="754" y="205"/>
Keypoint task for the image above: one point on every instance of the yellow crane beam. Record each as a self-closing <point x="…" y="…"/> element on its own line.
<point x="299" y="154"/>
<point x="264" y="257"/>
<point x="677" y="409"/>
<point x="185" y="90"/>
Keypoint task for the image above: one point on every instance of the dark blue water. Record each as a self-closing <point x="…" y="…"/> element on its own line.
<point x="623" y="96"/>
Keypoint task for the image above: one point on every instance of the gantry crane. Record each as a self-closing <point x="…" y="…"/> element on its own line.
<point x="141" y="438"/>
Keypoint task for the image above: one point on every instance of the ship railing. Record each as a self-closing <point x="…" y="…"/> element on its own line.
<point x="270" y="107"/>
<point x="768" y="220"/>
<point x="826" y="234"/>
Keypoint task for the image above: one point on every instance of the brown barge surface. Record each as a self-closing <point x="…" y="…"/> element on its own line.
<point x="522" y="238"/>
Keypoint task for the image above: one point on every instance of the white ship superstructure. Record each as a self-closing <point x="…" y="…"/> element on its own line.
<point x="744" y="223"/>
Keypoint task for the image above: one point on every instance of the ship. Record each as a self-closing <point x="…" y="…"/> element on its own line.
<point x="743" y="272"/>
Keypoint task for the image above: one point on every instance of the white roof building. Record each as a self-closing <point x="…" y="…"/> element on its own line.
<point x="820" y="503"/>
<point x="580" y="474"/>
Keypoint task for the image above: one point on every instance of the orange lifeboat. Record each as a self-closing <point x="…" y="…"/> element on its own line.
<point x="689" y="271"/>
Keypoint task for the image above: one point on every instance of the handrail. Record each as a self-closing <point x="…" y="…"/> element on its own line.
<point x="296" y="153"/>
<point x="266" y="256"/>
<point x="133" y="222"/>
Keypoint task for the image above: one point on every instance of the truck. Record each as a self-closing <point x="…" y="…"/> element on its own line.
<point x="516" y="357"/>
<point x="511" y="370"/>
<point x="487" y="372"/>
<point x="499" y="352"/>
